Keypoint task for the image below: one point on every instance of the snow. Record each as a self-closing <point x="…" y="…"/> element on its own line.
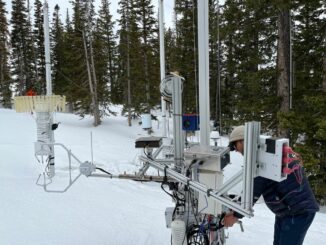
<point x="96" y="210"/>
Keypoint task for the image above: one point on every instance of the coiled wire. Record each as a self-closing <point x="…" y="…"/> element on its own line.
<point x="166" y="87"/>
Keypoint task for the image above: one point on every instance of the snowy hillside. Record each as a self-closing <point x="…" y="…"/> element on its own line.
<point x="97" y="211"/>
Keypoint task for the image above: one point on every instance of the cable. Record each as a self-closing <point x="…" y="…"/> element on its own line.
<point x="186" y="233"/>
<point x="192" y="206"/>
<point x="175" y="197"/>
<point x="197" y="235"/>
<point x="162" y="187"/>
<point x="104" y="171"/>
<point x="205" y="206"/>
<point x="147" y="155"/>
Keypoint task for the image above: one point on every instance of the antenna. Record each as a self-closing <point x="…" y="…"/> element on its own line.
<point x="92" y="147"/>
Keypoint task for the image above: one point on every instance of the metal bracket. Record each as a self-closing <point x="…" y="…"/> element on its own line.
<point x="86" y="168"/>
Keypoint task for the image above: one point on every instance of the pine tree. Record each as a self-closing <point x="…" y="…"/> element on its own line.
<point x="22" y="48"/>
<point x="5" y="93"/>
<point x="79" y="69"/>
<point x="215" y="59"/>
<point x="123" y="54"/>
<point x="186" y="41"/>
<point x="76" y="63"/>
<point x="58" y="53"/>
<point x="257" y="71"/>
<point x="306" y="121"/>
<point x="231" y="18"/>
<point x="70" y="78"/>
<point x="248" y="74"/>
<point x="171" y="58"/>
<point x="88" y="39"/>
<point x="130" y="72"/>
<point x="65" y="79"/>
<point x="39" y="52"/>
<point x="106" y="53"/>
<point x="147" y="24"/>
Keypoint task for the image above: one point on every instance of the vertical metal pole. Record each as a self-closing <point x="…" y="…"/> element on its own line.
<point x="162" y="63"/>
<point x="177" y="123"/>
<point x="47" y="50"/>
<point x="219" y="69"/>
<point x="251" y="142"/>
<point x="203" y="57"/>
<point x="48" y="81"/>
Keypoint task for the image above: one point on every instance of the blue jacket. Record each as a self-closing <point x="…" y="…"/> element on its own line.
<point x="288" y="197"/>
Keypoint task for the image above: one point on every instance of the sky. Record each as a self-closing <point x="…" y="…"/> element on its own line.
<point x="98" y="210"/>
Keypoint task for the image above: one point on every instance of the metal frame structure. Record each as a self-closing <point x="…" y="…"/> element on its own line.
<point x="252" y="130"/>
<point x="174" y="168"/>
<point x="251" y="141"/>
<point x="246" y="175"/>
<point x="175" y="171"/>
<point x="83" y="170"/>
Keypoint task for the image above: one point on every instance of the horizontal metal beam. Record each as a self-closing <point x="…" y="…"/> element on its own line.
<point x="130" y="177"/>
<point x="237" y="178"/>
<point x="197" y="186"/>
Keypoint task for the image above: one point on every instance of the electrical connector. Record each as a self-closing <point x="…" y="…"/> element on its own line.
<point x="87" y="168"/>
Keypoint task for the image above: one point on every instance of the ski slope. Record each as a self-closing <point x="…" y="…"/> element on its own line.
<point x="98" y="211"/>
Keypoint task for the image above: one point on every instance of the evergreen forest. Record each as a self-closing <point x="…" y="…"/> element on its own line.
<point x="267" y="63"/>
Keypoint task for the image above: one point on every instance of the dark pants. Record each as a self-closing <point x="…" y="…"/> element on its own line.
<point x="291" y="230"/>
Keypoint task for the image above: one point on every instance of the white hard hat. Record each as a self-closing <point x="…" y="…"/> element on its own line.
<point x="237" y="134"/>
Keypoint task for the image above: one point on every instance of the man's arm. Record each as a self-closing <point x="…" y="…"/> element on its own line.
<point x="259" y="186"/>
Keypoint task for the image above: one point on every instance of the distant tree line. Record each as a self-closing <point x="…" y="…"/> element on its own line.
<point x="267" y="63"/>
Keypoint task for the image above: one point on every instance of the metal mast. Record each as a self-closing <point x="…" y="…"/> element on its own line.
<point x="47" y="50"/>
<point x="203" y="57"/>
<point x="162" y="63"/>
<point x="48" y="84"/>
<point x="219" y="70"/>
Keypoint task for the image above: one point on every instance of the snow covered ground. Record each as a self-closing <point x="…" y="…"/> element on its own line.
<point x="95" y="210"/>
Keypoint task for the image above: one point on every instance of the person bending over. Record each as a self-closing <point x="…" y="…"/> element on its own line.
<point x="291" y="200"/>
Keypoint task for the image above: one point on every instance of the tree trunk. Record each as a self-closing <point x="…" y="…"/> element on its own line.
<point x="283" y="63"/>
<point x="2" y="68"/>
<point x="324" y="76"/>
<point x="128" y="70"/>
<point x="2" y="79"/>
<point x="23" y="86"/>
<point x="91" y="86"/>
<point x="129" y="85"/>
<point x="97" y="118"/>
<point x="147" y="87"/>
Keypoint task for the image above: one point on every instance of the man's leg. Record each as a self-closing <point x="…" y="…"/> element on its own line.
<point x="291" y="230"/>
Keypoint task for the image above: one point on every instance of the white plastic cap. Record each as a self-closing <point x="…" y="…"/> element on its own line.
<point x="215" y="135"/>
